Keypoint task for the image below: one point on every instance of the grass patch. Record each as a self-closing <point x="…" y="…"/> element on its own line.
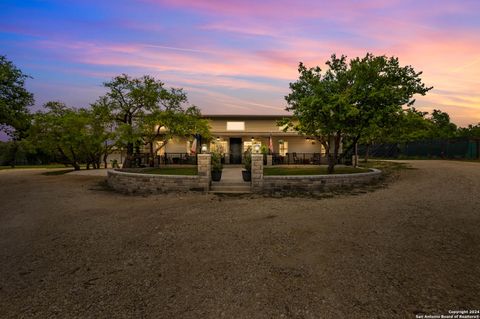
<point x="386" y="166"/>
<point x="58" y="172"/>
<point x="316" y="170"/>
<point x="170" y="170"/>
<point x="390" y="170"/>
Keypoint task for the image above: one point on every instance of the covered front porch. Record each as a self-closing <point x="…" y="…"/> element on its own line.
<point x="277" y="148"/>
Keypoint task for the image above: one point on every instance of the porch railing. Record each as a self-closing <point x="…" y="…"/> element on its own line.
<point x="295" y="158"/>
<point x="178" y="158"/>
<point x="145" y="160"/>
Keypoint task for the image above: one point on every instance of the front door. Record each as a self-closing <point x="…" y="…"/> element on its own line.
<point x="235" y="150"/>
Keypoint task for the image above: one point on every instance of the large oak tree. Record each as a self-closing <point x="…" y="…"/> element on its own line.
<point x="350" y="99"/>
<point x="141" y="106"/>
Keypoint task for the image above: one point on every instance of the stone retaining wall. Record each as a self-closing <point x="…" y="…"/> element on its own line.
<point x="316" y="183"/>
<point x="136" y="183"/>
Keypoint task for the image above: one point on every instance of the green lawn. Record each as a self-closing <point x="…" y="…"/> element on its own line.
<point x="171" y="170"/>
<point x="315" y="170"/>
<point x="385" y="165"/>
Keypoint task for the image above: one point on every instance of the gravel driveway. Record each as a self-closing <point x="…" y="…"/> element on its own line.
<point x="68" y="248"/>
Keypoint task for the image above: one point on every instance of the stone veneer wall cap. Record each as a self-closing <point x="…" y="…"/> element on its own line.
<point x="115" y="172"/>
<point x="373" y="171"/>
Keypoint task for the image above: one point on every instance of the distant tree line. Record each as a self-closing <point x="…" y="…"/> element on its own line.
<point x="134" y="113"/>
<point x="365" y="100"/>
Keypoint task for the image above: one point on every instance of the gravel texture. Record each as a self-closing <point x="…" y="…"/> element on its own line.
<point x="71" y="249"/>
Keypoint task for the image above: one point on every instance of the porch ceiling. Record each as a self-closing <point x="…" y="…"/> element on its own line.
<point x="255" y="134"/>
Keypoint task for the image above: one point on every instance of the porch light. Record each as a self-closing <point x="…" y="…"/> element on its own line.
<point x="218" y="138"/>
<point x="256" y="148"/>
<point x="204" y="148"/>
<point x="253" y="139"/>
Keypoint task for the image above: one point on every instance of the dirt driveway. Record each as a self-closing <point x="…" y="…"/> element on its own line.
<point x="68" y="249"/>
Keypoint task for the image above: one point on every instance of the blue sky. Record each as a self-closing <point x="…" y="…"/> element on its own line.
<point x="238" y="57"/>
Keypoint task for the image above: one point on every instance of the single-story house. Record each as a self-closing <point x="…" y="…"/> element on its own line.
<point x="232" y="135"/>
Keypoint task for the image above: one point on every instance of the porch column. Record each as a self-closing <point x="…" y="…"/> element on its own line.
<point x="257" y="172"/>
<point x="204" y="168"/>
<point x="269" y="160"/>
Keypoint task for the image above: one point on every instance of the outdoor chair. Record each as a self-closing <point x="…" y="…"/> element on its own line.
<point x="295" y="158"/>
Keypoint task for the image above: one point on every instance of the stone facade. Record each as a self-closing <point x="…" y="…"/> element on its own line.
<point x="135" y="183"/>
<point x="138" y="183"/>
<point x="257" y="172"/>
<point x="204" y="168"/>
<point x="316" y="183"/>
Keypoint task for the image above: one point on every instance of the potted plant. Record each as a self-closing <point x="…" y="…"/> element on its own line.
<point x="216" y="166"/>
<point x="264" y="150"/>
<point x="247" y="163"/>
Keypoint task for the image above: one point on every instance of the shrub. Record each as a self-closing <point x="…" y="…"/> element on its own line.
<point x="217" y="162"/>
<point x="247" y="160"/>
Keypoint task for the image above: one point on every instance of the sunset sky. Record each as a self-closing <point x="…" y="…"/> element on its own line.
<point x="237" y="57"/>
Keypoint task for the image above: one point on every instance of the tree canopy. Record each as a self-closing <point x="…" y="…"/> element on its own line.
<point x="145" y="111"/>
<point x="351" y="99"/>
<point x="72" y="136"/>
<point x="14" y="98"/>
<point x="471" y="131"/>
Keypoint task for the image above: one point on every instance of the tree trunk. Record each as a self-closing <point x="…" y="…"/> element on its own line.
<point x="332" y="159"/>
<point x="127" y="163"/>
<point x="151" y="157"/>
<point x="331" y="164"/>
<point x="75" y="164"/>
<point x="105" y="156"/>
<point x="97" y="160"/>
<point x="367" y="150"/>
<point x="13" y="154"/>
<point x="355" y="159"/>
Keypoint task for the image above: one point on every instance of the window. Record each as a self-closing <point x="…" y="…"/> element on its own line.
<point x="247" y="145"/>
<point x="235" y="126"/>
<point x="219" y="146"/>
<point x="283" y="148"/>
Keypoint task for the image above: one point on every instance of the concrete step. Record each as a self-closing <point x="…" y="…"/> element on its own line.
<point x="231" y="183"/>
<point x="233" y="187"/>
<point x="230" y="192"/>
<point x="227" y="186"/>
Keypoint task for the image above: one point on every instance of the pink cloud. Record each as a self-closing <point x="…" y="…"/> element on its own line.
<point x="206" y="63"/>
<point x="284" y="9"/>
